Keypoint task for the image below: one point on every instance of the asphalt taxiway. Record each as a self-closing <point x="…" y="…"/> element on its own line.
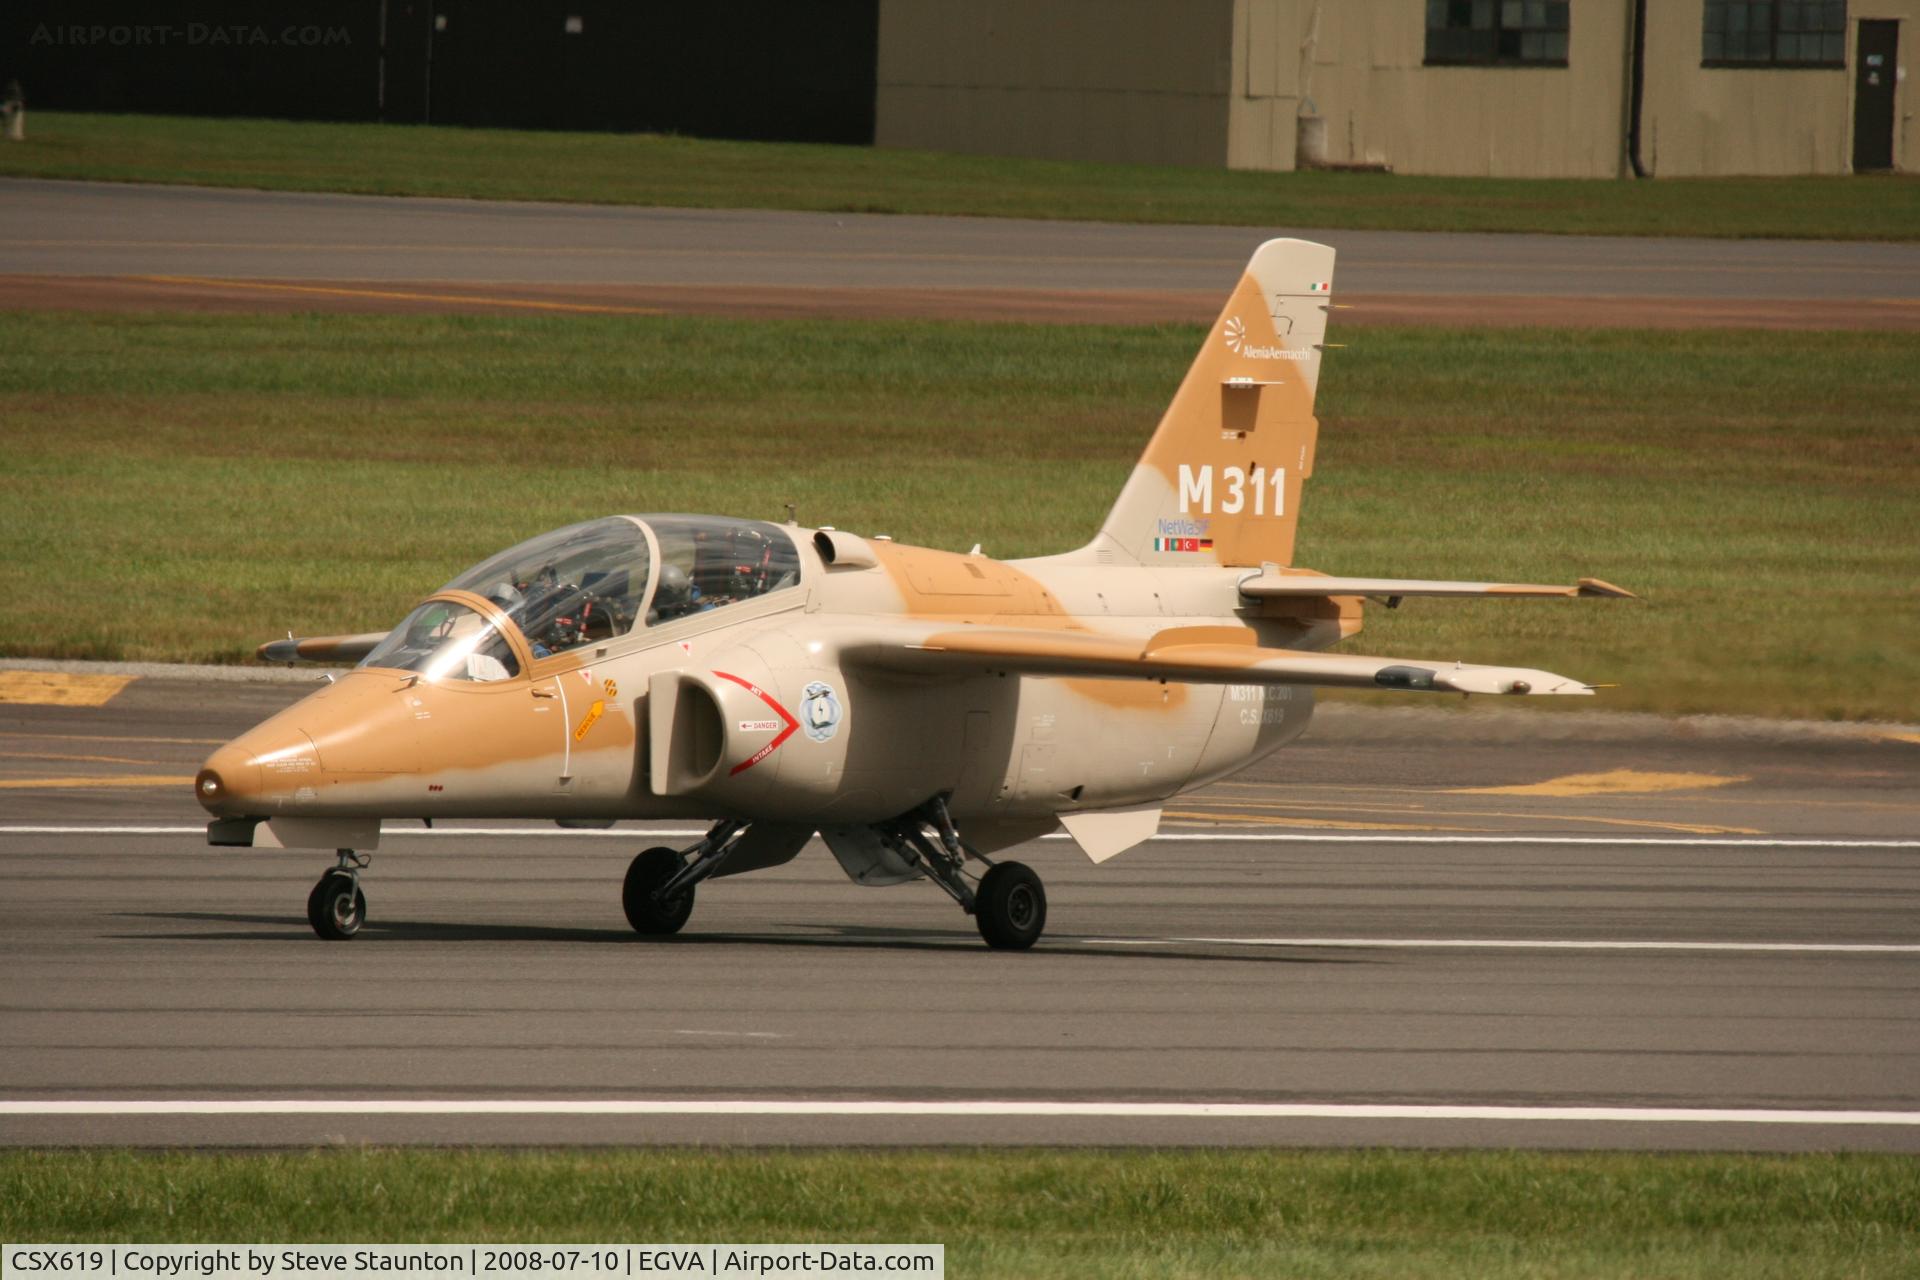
<point x="79" y="244"/>
<point x="1411" y="928"/>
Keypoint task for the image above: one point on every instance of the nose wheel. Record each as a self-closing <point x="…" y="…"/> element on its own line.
<point x="337" y="908"/>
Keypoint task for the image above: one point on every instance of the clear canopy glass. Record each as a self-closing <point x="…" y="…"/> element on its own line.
<point x="574" y="586"/>
<point x="444" y="640"/>
<point x="588" y="583"/>
<point x="709" y="562"/>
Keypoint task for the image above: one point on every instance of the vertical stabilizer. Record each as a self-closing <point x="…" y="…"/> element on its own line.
<point x="1220" y="482"/>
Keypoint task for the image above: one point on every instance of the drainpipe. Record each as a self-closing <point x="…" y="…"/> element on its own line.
<point x="1636" y="84"/>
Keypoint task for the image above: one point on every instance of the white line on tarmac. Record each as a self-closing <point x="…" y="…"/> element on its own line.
<point x="971" y="1108"/>
<point x="1165" y="837"/>
<point x="1517" y="944"/>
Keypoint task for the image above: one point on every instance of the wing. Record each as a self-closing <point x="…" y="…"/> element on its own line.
<point x="1283" y="586"/>
<point x="1205" y="655"/>
<point x="320" y="648"/>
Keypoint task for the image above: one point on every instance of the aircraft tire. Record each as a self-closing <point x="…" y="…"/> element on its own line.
<point x="648" y="871"/>
<point x="334" y="914"/>
<point x="1010" y="906"/>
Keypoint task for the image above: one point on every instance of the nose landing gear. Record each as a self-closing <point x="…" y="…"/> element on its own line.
<point x="336" y="908"/>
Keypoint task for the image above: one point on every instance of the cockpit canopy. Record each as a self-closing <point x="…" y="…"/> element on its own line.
<point x="587" y="584"/>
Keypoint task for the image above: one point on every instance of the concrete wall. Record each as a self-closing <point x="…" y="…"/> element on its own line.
<point x="1120" y="80"/>
<point x="1222" y="82"/>
<point x="1702" y="120"/>
<point x="1382" y="106"/>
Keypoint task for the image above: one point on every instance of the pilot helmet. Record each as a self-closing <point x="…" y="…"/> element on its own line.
<point x="675" y="587"/>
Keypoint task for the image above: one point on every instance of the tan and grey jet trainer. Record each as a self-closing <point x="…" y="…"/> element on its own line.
<point x="919" y="710"/>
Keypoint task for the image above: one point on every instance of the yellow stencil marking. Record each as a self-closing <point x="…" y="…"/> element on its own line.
<point x="589" y="720"/>
<point x="49" y="689"/>
<point x="1618" y="782"/>
<point x="130" y="780"/>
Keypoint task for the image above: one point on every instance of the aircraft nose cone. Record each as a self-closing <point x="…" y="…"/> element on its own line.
<point x="228" y="782"/>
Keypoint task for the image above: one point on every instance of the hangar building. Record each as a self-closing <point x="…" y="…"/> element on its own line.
<point x="1508" y="88"/>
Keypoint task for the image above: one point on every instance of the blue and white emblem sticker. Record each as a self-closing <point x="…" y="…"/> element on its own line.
<point x="820" y="711"/>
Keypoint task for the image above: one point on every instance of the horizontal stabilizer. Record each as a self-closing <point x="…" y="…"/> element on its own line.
<point x="1283" y="586"/>
<point x="320" y="648"/>
<point x="1203" y="655"/>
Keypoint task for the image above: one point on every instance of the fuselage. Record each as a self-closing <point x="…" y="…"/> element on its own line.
<point x="770" y="707"/>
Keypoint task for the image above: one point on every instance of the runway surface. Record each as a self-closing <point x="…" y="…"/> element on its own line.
<point x="102" y="244"/>
<point x="1694" y="934"/>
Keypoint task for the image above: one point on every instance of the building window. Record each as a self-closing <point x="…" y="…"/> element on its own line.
<point x="1774" y="33"/>
<point x="1512" y="33"/>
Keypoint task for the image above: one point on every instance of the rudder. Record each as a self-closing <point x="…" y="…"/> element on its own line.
<point x="1220" y="481"/>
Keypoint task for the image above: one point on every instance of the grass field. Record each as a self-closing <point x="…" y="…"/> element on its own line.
<point x="646" y="169"/>
<point x="183" y="487"/>
<point x="1036" y="1214"/>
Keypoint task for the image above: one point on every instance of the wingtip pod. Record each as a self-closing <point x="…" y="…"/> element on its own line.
<point x="1462" y="678"/>
<point x="320" y="648"/>
<point x="1596" y="587"/>
<point x="1509" y="680"/>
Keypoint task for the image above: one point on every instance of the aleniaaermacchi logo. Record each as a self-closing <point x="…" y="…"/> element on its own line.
<point x="1235" y="333"/>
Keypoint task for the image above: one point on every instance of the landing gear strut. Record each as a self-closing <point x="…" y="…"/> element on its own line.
<point x="658" y="894"/>
<point x="1009" y="904"/>
<point x="336" y="908"/>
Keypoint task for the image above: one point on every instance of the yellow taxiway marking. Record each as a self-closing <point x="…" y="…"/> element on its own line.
<point x="1336" y="824"/>
<point x="531" y="304"/>
<point x="102" y="737"/>
<point x="1616" y="782"/>
<point x="51" y="689"/>
<point x="1877" y="736"/>
<point x="1689" y="828"/>
<point x="129" y="780"/>
<point x="48" y="755"/>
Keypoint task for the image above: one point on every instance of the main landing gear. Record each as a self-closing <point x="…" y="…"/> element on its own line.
<point x="336" y="908"/>
<point x="1008" y="903"/>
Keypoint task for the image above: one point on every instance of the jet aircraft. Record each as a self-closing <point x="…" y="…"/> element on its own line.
<point x="920" y="710"/>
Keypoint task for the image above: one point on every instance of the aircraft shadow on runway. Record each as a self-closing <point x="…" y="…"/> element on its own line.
<point x="289" y="929"/>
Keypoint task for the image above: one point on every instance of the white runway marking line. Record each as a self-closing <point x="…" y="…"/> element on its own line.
<point x="968" y="1108"/>
<point x="1165" y="837"/>
<point x="1519" y="944"/>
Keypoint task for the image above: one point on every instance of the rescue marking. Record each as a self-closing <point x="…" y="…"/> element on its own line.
<point x="784" y="714"/>
<point x="590" y="719"/>
<point x="959" y="1108"/>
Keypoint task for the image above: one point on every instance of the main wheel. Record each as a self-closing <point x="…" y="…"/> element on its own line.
<point x="1010" y="907"/>
<point x="336" y="908"/>
<point x="646" y="873"/>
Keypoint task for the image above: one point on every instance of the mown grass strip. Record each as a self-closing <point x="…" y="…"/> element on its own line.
<point x="1035" y="1213"/>
<point x="651" y="169"/>
<point x="184" y="487"/>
